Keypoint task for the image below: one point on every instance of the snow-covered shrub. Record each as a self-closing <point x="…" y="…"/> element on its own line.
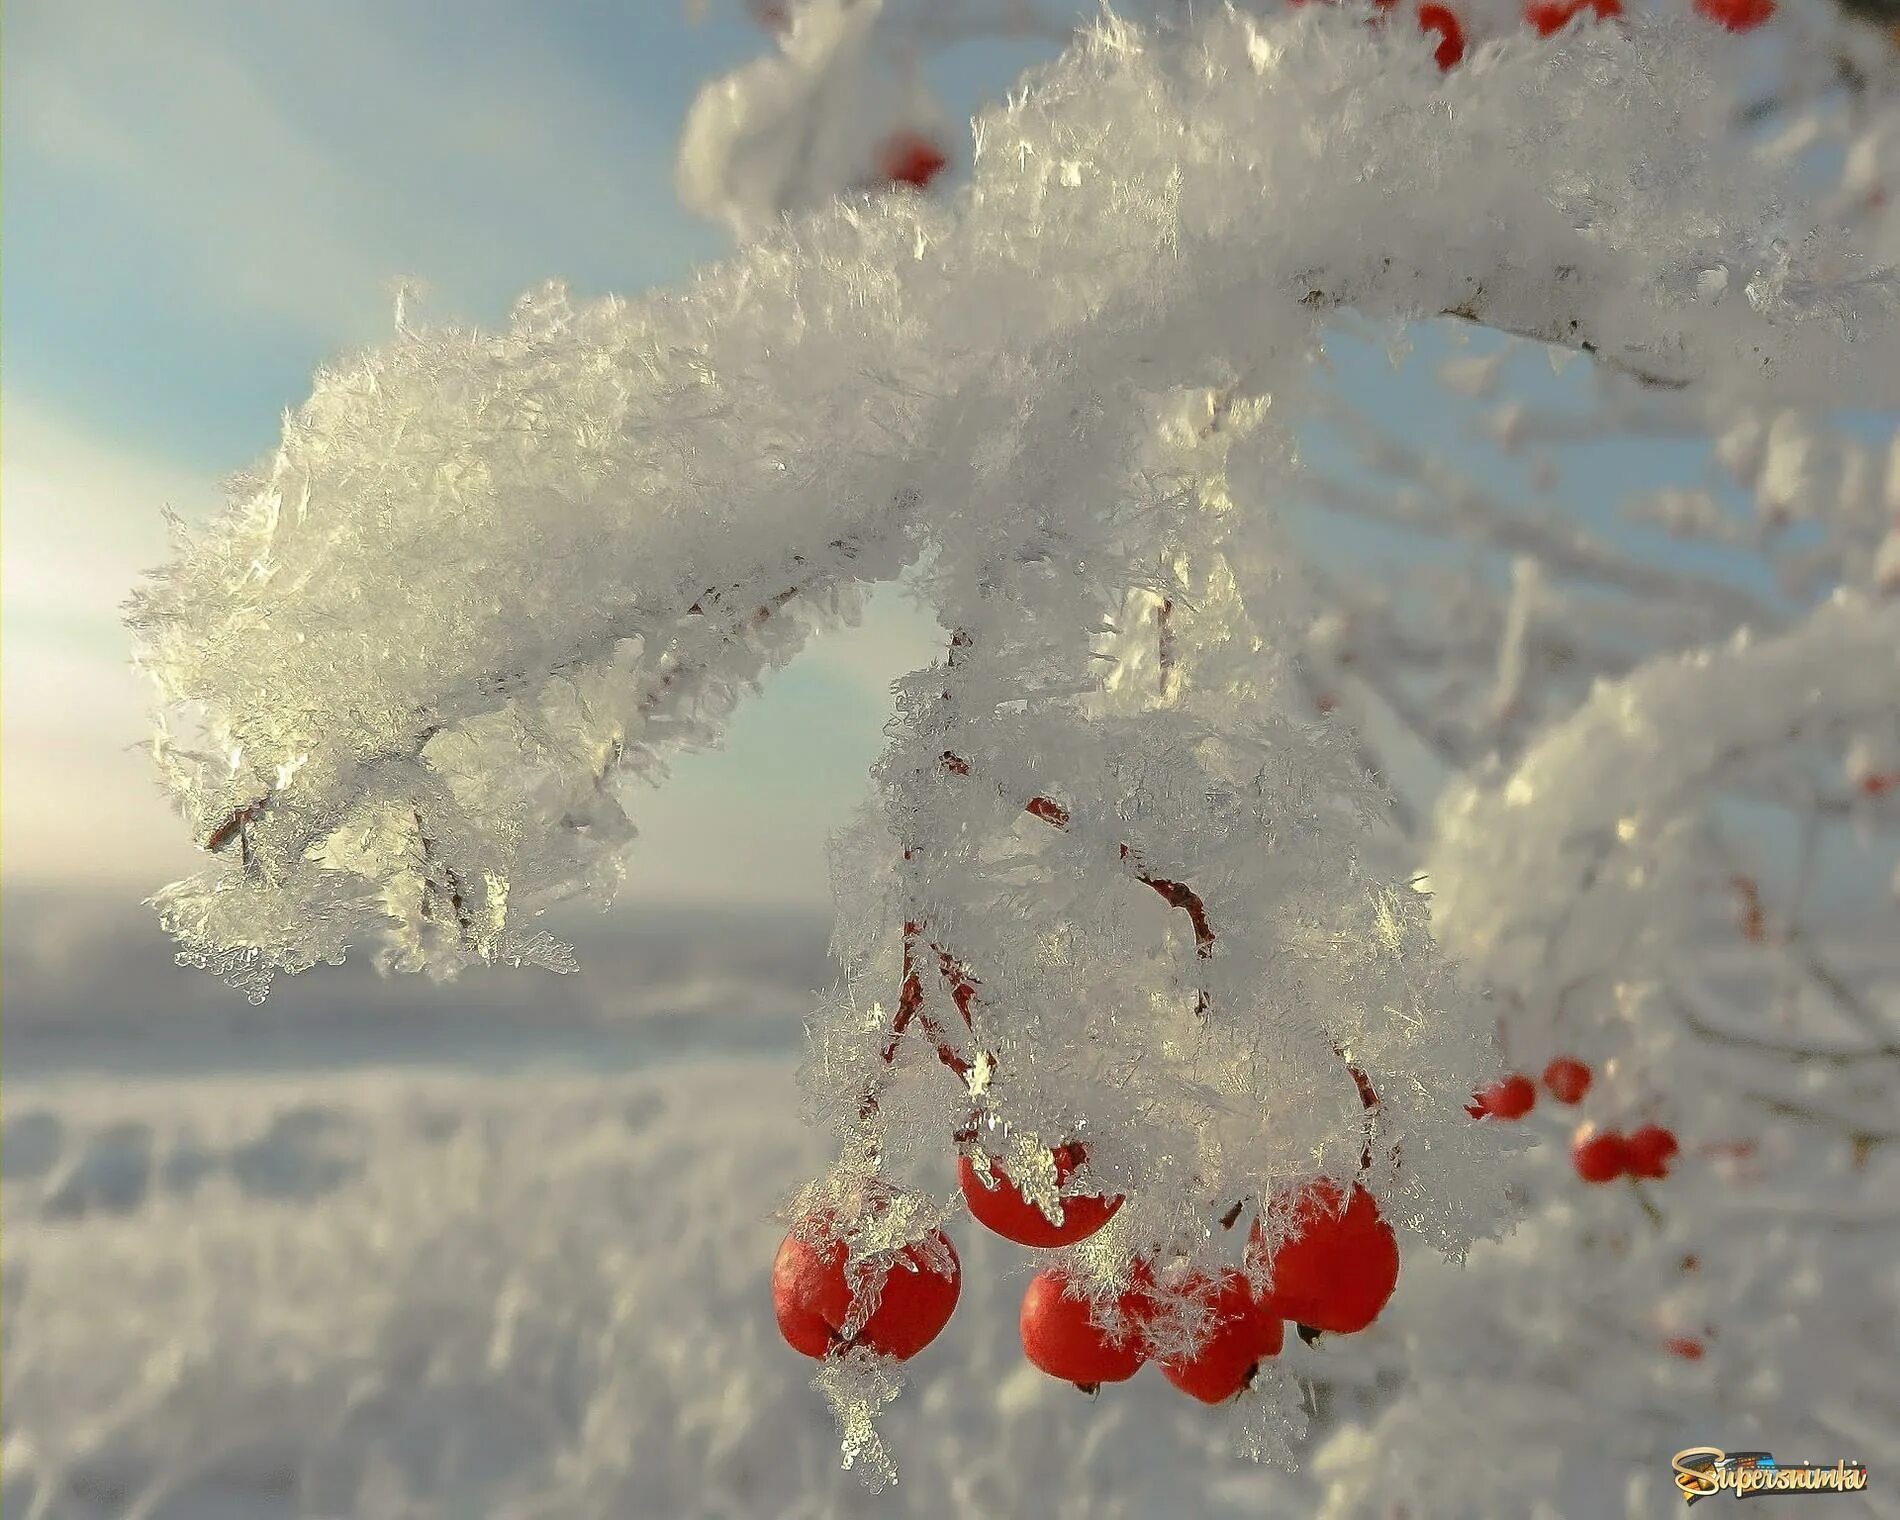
<point x="1119" y="883"/>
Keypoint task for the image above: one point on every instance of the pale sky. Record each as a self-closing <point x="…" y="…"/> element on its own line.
<point x="206" y="200"/>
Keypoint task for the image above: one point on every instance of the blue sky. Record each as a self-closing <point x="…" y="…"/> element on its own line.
<point x="202" y="209"/>
<point x="198" y="213"/>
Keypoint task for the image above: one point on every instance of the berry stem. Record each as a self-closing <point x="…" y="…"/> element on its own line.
<point x="1649" y="1208"/>
<point x="1368" y="1100"/>
<point x="910" y="1001"/>
<point x="1177" y="894"/>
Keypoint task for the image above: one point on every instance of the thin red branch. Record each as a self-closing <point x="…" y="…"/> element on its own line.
<point x="1051" y="813"/>
<point x="910" y="1007"/>
<point x="1369" y="1101"/>
<point x="1176" y="894"/>
<point x="225" y="832"/>
<point x="962" y="986"/>
<point x="910" y="1003"/>
<point x="1179" y="895"/>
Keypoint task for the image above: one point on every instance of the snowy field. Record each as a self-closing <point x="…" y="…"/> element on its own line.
<point x="423" y="1293"/>
<point x="387" y="1249"/>
<point x="492" y="1272"/>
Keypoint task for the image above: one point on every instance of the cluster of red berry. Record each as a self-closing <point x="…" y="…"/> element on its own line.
<point x="1334" y="1273"/>
<point x="910" y="159"/>
<point x="1548" y="17"/>
<point x="1598" y="1155"/>
<point x="1603" y="1155"/>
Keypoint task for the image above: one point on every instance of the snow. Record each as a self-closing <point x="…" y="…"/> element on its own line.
<point x="416" y="1293"/>
<point x="488" y="580"/>
<point x="485" y="576"/>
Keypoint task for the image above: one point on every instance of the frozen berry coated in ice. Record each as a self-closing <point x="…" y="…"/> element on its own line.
<point x="1649" y="1151"/>
<point x="1736" y="15"/>
<point x="916" y="1303"/>
<point x="809" y="1295"/>
<point x="1060" y="1335"/>
<point x="812" y="1298"/>
<point x="909" y="158"/>
<point x="1567" y="1079"/>
<point x="1599" y="1155"/>
<point x="1339" y="1265"/>
<point x="1551" y="16"/>
<point x="1509" y="1097"/>
<point x="1243" y="1334"/>
<point x="1000" y="1206"/>
<point x="1443" y="20"/>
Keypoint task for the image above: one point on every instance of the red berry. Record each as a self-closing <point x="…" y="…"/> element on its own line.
<point x="1441" y="19"/>
<point x="1509" y="1097"/>
<point x="1600" y="1155"/>
<point x="1340" y="1266"/>
<point x="809" y="1295"/>
<point x="1736" y="15"/>
<point x="812" y="1298"/>
<point x="1879" y="783"/>
<point x="1567" y="1079"/>
<point x="1002" y="1208"/>
<point x="1549" y="16"/>
<point x="1061" y="1337"/>
<point x="1682" y="1346"/>
<point x="915" y="1305"/>
<point x="907" y="158"/>
<point x="1650" y="1151"/>
<point x="1241" y="1335"/>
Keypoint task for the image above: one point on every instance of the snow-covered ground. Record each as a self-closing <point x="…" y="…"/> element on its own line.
<point x="501" y="1249"/>
<point x="382" y="1293"/>
<point x="371" y="1263"/>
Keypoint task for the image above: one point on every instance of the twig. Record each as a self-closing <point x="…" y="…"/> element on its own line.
<point x="500" y="686"/>
<point x="448" y="874"/>
<point x="1559" y="332"/>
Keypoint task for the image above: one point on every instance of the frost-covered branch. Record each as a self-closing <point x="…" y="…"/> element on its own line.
<point x="1149" y="912"/>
